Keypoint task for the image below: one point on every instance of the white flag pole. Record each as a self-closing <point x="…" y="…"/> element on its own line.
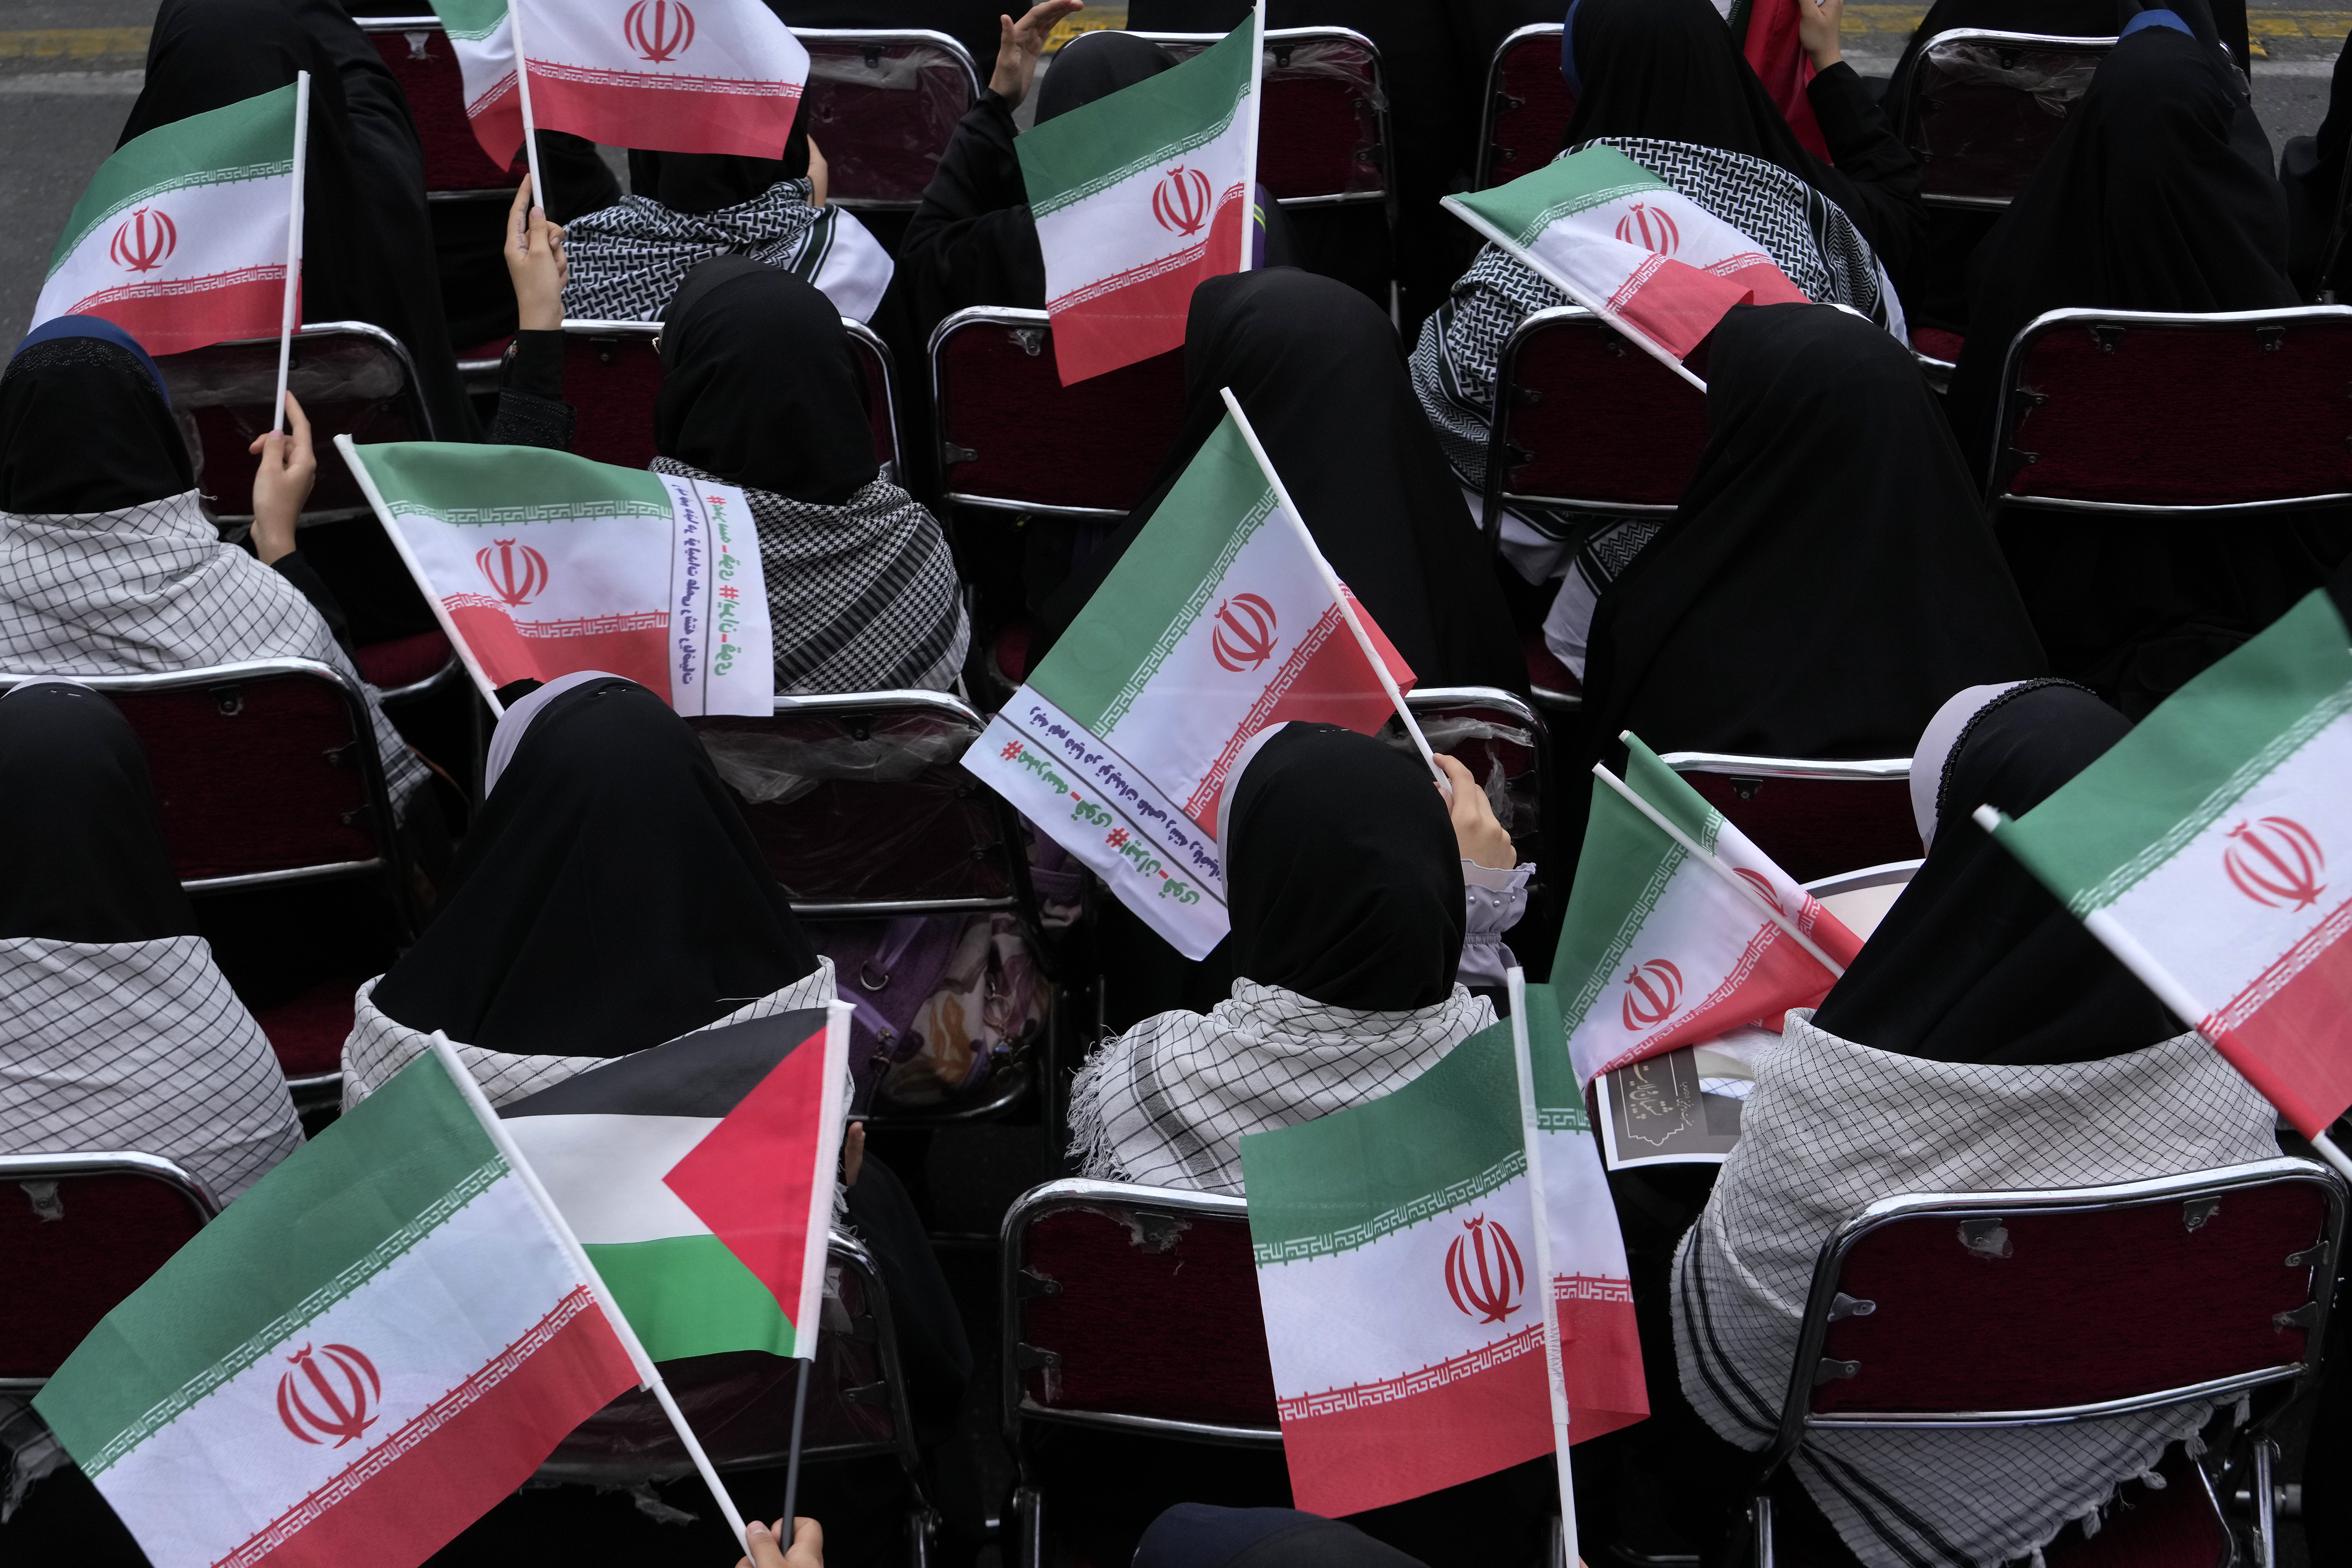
<point x="286" y="321"/>
<point x="2152" y="973"/>
<point x="522" y="89"/>
<point x="1737" y="883"/>
<point x="1339" y="595"/>
<point x="1249" y="153"/>
<point x="649" y="1375"/>
<point x="1555" y="1365"/>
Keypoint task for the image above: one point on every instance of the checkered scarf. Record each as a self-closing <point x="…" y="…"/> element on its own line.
<point x="379" y="1046"/>
<point x="1166" y="1103"/>
<point x="628" y="259"/>
<point x="1832" y="1127"/>
<point x="1807" y="237"/>
<point x="138" y="1046"/>
<point x="862" y="596"/>
<point x="152" y="589"/>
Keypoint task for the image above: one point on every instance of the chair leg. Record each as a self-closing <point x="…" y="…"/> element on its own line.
<point x="1762" y="1512"/>
<point x="922" y="1532"/>
<point x="1029" y="1523"/>
<point x="2265" y="1503"/>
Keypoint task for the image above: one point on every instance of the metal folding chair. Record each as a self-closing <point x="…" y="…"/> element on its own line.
<point x="1814" y="815"/>
<point x="882" y="104"/>
<point x="1986" y="106"/>
<point x="1527" y="106"/>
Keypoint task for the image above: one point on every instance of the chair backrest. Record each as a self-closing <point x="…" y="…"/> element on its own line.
<point x="862" y="806"/>
<point x="611" y="373"/>
<point x="882" y="105"/>
<point x="1587" y="422"/>
<point x="741" y="1404"/>
<point x="1501" y="739"/>
<point x="2025" y="1308"/>
<point x="1986" y="106"/>
<point x="265" y="771"/>
<point x="1814" y="816"/>
<point x="1012" y="438"/>
<point x="1528" y="108"/>
<point x="1134" y="1308"/>
<point x="418" y="53"/>
<point x="1861" y="898"/>
<point x="1323" y="136"/>
<point x="78" y="1233"/>
<point x="2093" y="403"/>
<point x="352" y="378"/>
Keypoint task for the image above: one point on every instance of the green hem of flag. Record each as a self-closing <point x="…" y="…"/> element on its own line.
<point x="1531" y="204"/>
<point x="1089" y="149"/>
<point x="468" y="485"/>
<point x="250" y="139"/>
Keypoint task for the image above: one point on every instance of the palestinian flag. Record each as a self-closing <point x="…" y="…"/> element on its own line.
<point x="1627" y="246"/>
<point x="180" y="239"/>
<point x="699" y="1175"/>
<point x="540" y="563"/>
<point x="1661" y="949"/>
<point x="377" y="1343"/>
<point x="670" y="76"/>
<point x="1138" y="197"/>
<point x="1394" y="1244"/>
<point x="1219" y="621"/>
<point x="2199" y="850"/>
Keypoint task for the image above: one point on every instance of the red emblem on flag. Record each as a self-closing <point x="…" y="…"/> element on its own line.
<point x="1244" y="636"/>
<point x="1180" y="201"/>
<point x="1483" y="1271"/>
<point x="144" y="240"/>
<point x="1649" y="228"/>
<point x="1651" y="992"/>
<point x="2275" y="860"/>
<point x="1763" y="886"/>
<point x="332" y="1400"/>
<point x="517" y="573"/>
<point x="659" y="30"/>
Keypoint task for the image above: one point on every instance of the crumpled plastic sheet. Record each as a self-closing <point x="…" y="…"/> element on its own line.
<point x="2053" y="77"/>
<point x="765" y="767"/>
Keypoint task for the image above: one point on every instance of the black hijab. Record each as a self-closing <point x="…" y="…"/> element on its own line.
<point x="83" y="857"/>
<point x="2157" y="195"/>
<point x="706" y="182"/>
<point x="1103" y="64"/>
<point x="1360" y="906"/>
<point x="2312" y="170"/>
<point x="609" y="898"/>
<point x="1829" y="578"/>
<point x="367" y="242"/>
<point x="1976" y="961"/>
<point x="1318" y="370"/>
<point x="760" y="385"/>
<point x="85" y="423"/>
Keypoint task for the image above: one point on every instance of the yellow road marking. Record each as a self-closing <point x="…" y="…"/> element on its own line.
<point x="73" y="43"/>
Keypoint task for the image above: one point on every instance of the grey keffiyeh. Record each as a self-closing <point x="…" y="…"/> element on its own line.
<point x="861" y="596"/>
<point x="628" y="259"/>
<point x="152" y="589"/>
<point x="1832" y="1127"/>
<point x="1166" y="1104"/>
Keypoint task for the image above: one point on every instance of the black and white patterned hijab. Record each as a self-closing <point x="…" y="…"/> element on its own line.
<point x="628" y="259"/>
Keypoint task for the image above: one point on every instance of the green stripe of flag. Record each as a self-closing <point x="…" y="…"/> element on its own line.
<point x="334" y="1214"/>
<point x="688" y="1295"/>
<point x="1620" y="875"/>
<point x="1076" y="155"/>
<point x="1671" y="794"/>
<point x="459" y="482"/>
<point x="1559" y="1098"/>
<point x="250" y="140"/>
<point x="1534" y="201"/>
<point x="472" y="20"/>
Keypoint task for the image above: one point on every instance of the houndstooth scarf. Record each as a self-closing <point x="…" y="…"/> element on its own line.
<point x="1832" y="1127"/>
<point x="379" y="1046"/>
<point x="1166" y="1103"/>
<point x="862" y="596"/>
<point x="138" y="1046"/>
<point x="1807" y="237"/>
<point x="151" y="589"/>
<point x="628" y="259"/>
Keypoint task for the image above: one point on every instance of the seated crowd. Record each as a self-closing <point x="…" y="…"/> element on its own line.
<point x="1829" y="586"/>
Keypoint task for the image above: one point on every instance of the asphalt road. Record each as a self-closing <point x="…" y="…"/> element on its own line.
<point x="69" y="70"/>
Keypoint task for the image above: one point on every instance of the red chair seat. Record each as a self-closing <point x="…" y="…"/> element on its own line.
<point x="423" y="61"/>
<point x="1013" y="650"/>
<point x="1544" y="671"/>
<point x="1937" y="343"/>
<point x="1015" y="434"/>
<point x="1528" y="107"/>
<point x="65" y="1273"/>
<point x="1816" y="827"/>
<point x="308" y="1031"/>
<point x="403" y="661"/>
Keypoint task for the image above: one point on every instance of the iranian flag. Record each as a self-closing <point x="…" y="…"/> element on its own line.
<point x="1138" y="197"/>
<point x="1678" y="928"/>
<point x="1397" y="1269"/>
<point x="2207" y="849"/>
<point x="699" y="1175"/>
<point x="181" y="237"/>
<point x="1221" y="620"/>
<point x="1775" y="51"/>
<point x="670" y="76"/>
<point x="1627" y="246"/>
<point x="377" y="1343"/>
<point x="540" y="563"/>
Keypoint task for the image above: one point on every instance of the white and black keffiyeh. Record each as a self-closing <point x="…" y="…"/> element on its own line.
<point x="1831" y="1127"/>
<point x="139" y="1047"/>
<point x="152" y="589"/>
<point x="861" y="596"/>
<point x="1166" y="1103"/>
<point x="378" y="1048"/>
<point x="628" y="259"/>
